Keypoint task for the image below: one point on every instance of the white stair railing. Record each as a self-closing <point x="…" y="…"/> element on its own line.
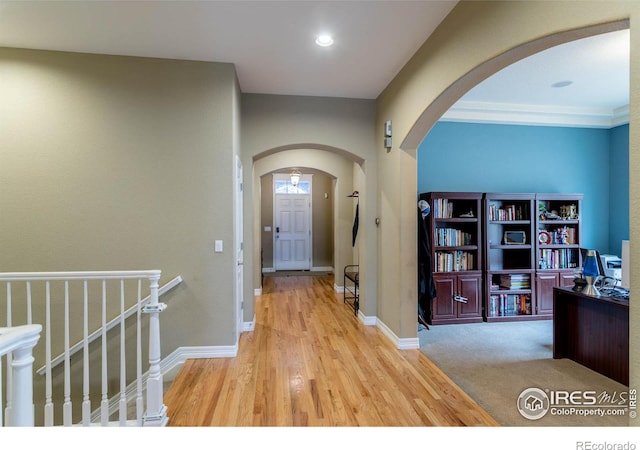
<point x="67" y="303"/>
<point x="110" y="325"/>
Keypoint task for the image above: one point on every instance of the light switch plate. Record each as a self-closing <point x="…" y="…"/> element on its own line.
<point x="218" y="246"/>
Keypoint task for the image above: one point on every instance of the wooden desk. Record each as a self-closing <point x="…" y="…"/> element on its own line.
<point x="593" y="331"/>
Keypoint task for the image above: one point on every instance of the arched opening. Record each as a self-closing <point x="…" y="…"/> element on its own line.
<point x="309" y="246"/>
<point x="452" y="94"/>
<point x="472" y="181"/>
<point x="590" y="31"/>
<point x="336" y="166"/>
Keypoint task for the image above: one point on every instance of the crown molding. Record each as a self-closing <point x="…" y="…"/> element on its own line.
<point x="536" y="115"/>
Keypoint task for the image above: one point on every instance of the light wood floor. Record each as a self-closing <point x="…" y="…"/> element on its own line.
<point x="310" y="362"/>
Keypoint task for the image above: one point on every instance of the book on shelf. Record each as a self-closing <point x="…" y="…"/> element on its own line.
<point x="515" y="281"/>
<point x="452" y="237"/>
<point x="442" y="208"/>
<point x="506" y="212"/>
<point x="454" y="261"/>
<point x="510" y="305"/>
<point x="560" y="258"/>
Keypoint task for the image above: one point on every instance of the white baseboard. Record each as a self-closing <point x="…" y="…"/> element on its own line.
<point x="268" y="269"/>
<point x="338" y="289"/>
<point x="322" y="269"/>
<point x="181" y="354"/>
<point x="367" y="320"/>
<point x="249" y="326"/>
<point x="401" y="344"/>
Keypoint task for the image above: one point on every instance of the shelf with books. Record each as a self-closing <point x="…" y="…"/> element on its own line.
<point x="558" y="231"/>
<point x="509" y="306"/>
<point x="455" y="230"/>
<point x="509" y="253"/>
<point x="558" y="257"/>
<point x="510" y="296"/>
<point x="454" y="261"/>
<point x="454" y="227"/>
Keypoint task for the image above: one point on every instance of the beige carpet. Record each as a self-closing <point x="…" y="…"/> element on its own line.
<point x="495" y="362"/>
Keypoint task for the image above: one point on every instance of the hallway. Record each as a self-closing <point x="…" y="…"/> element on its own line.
<point x="310" y="362"/>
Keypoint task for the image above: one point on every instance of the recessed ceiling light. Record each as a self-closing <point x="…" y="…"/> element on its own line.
<point x="324" y="40"/>
<point x="561" y="84"/>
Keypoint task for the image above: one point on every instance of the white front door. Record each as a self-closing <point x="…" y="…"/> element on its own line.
<point x="239" y="249"/>
<point x="292" y="232"/>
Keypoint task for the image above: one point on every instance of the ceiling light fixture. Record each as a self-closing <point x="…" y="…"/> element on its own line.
<point x="324" y="40"/>
<point x="561" y="84"/>
<point x="295" y="176"/>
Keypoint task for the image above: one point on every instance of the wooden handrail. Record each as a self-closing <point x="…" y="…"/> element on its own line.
<point x="112" y="323"/>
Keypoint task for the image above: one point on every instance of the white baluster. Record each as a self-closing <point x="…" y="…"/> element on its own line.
<point x="9" y="406"/>
<point x="9" y="313"/>
<point x="66" y="406"/>
<point x="48" y="404"/>
<point x="139" y="398"/>
<point x="1" y="414"/>
<point x="104" y="404"/>
<point x="156" y="414"/>
<point x="123" y="365"/>
<point x="29" y="309"/>
<point x="86" y="402"/>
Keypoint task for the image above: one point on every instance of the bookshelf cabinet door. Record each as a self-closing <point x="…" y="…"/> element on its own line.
<point x="545" y="282"/>
<point x="469" y="287"/>
<point x="444" y="307"/>
<point x="567" y="279"/>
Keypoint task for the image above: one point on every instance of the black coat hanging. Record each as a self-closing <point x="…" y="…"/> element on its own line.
<point x="354" y="230"/>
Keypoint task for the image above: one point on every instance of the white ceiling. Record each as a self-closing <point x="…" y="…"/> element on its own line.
<point x="272" y="43"/>
<point x="272" y="46"/>
<point x="598" y="96"/>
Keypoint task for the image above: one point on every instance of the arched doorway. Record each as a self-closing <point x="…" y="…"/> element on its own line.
<point x="452" y="94"/>
<point x="337" y="164"/>
<point x="438" y="75"/>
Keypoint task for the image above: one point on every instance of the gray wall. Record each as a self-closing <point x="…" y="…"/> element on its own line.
<point x="113" y="163"/>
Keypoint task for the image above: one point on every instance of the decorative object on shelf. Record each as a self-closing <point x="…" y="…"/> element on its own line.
<point x="544" y="237"/>
<point x="515" y="237"/>
<point x="467" y="215"/>
<point x="590" y="273"/>
<point x="563" y="236"/>
<point x="569" y="212"/>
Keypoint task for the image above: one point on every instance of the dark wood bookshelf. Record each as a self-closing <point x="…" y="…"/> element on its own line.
<point x="458" y="286"/>
<point x="510" y="263"/>
<point x="558" y="228"/>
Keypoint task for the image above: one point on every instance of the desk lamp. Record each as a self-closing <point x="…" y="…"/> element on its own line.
<point x="590" y="273"/>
